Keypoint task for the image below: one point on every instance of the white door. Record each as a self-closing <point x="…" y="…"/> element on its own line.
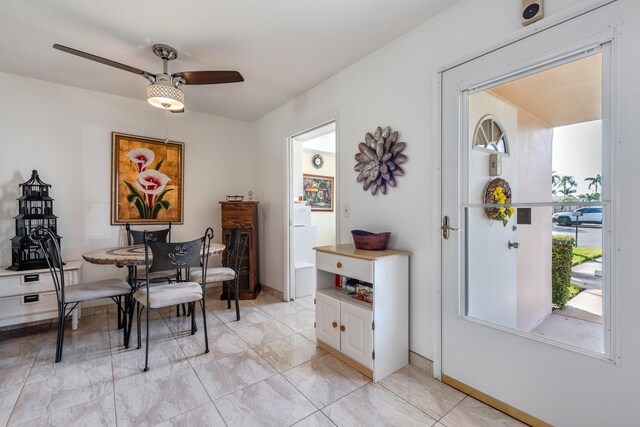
<point x="488" y="328"/>
<point x="328" y="320"/>
<point x="357" y="336"/>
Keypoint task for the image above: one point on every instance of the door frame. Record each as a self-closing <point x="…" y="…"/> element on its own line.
<point x="437" y="99"/>
<point x="333" y="116"/>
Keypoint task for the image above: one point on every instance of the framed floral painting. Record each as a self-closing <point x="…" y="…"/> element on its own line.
<point x="147" y="180"/>
<point x="318" y="192"/>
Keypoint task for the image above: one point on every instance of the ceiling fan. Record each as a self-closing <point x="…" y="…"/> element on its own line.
<point x="164" y="90"/>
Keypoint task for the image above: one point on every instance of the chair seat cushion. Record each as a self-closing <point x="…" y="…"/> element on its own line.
<point x="217" y="274"/>
<point x="169" y="294"/>
<point x="96" y="290"/>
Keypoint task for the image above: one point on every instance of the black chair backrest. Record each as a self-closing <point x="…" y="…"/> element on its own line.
<point x="135" y="237"/>
<point x="48" y="243"/>
<point x="236" y="247"/>
<point x="172" y="256"/>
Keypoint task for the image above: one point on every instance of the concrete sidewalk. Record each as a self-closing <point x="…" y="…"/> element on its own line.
<point x="588" y="274"/>
<point x="579" y="322"/>
<point x="587" y="305"/>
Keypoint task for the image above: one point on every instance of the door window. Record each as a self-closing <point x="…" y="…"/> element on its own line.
<point x="526" y="268"/>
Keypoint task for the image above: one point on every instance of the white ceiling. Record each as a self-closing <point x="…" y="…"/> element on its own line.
<point x="281" y="47"/>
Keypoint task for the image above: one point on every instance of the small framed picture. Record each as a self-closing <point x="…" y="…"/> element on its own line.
<point x="318" y="192"/>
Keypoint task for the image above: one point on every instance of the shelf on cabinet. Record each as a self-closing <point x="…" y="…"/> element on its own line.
<point x="335" y="293"/>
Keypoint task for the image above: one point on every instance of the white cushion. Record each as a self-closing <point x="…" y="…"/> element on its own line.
<point x="170" y="294"/>
<point x="96" y="290"/>
<point x="217" y="274"/>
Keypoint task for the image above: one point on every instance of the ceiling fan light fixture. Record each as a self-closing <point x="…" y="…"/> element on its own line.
<point x="165" y="96"/>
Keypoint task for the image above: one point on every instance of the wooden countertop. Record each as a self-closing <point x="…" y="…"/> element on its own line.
<point x="351" y="251"/>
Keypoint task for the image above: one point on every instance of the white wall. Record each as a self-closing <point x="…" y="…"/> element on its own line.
<point x="324" y="220"/>
<point x="65" y="133"/>
<point x="534" y="255"/>
<point x="393" y="86"/>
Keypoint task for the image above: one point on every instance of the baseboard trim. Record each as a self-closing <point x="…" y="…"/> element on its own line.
<point x="346" y="359"/>
<point x="273" y="292"/>
<point x="421" y="362"/>
<point x="495" y="403"/>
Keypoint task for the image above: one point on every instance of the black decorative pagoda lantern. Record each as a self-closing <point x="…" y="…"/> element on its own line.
<point x="35" y="210"/>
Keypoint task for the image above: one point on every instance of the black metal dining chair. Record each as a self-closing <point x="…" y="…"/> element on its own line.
<point x="136" y="237"/>
<point x="172" y="256"/>
<point x="235" y="266"/>
<point x="68" y="298"/>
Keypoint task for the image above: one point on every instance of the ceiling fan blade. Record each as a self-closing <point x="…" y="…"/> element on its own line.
<point x="103" y="60"/>
<point x="209" y="77"/>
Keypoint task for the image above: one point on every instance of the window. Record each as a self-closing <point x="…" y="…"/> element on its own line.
<point x="490" y="135"/>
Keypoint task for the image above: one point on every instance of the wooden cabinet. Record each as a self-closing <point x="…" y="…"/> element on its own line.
<point x="245" y="214"/>
<point x="371" y="337"/>
<point x="29" y="295"/>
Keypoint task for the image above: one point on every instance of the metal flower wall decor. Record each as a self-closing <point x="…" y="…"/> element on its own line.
<point x="379" y="160"/>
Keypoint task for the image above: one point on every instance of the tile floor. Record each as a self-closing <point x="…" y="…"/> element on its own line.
<point x="263" y="370"/>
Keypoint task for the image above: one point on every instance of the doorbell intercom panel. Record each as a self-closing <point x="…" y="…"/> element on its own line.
<point x="532" y="11"/>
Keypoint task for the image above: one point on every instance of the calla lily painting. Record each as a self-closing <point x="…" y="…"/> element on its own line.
<point x="147" y="180"/>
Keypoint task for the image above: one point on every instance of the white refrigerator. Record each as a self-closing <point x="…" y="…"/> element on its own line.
<point x="305" y="238"/>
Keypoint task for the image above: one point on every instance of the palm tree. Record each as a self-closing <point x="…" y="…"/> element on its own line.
<point x="567" y="185"/>
<point x="594" y="181"/>
<point x="555" y="180"/>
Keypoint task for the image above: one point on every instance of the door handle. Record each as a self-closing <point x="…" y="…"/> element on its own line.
<point x="513" y="245"/>
<point x="342" y="328"/>
<point x="334" y="324"/>
<point x="446" y="228"/>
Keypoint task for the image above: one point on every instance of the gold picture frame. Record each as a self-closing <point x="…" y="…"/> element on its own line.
<point x="147" y="180"/>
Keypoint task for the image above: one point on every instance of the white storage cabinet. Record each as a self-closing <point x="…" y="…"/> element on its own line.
<point x="29" y="295"/>
<point x="371" y="337"/>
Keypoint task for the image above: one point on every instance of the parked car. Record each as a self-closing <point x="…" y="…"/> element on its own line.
<point x="590" y="215"/>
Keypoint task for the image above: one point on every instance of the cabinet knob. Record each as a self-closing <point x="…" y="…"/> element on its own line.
<point x="342" y="328"/>
<point x="334" y="324"/>
<point x="339" y="264"/>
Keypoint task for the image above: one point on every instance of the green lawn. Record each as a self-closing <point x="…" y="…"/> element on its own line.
<point x="581" y="255"/>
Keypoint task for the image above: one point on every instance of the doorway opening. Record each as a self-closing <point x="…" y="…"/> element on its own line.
<point x="535" y="238"/>
<point x="312" y="204"/>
